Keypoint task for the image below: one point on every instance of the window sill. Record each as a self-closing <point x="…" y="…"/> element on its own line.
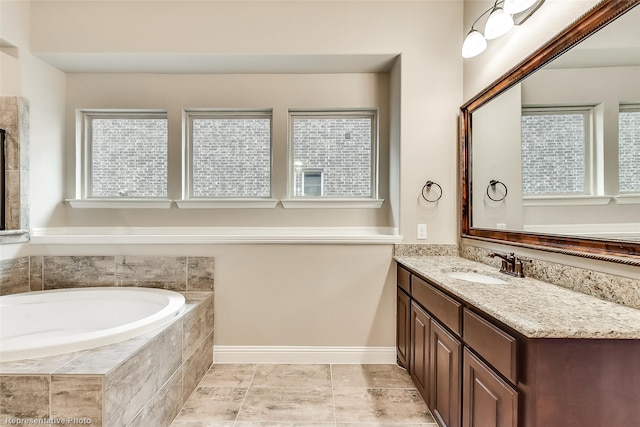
<point x="627" y="199"/>
<point x="566" y="201"/>
<point x="322" y="203"/>
<point x="244" y="203"/>
<point x="120" y="203"/>
<point x="216" y="235"/>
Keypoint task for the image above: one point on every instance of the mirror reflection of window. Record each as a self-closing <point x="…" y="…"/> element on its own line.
<point x="629" y="149"/>
<point x="555" y="151"/>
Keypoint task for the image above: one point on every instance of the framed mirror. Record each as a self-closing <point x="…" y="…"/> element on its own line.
<point x="546" y="160"/>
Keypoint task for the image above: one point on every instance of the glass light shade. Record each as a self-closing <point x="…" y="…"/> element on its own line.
<point x="516" y="6"/>
<point x="498" y="24"/>
<point x="474" y="44"/>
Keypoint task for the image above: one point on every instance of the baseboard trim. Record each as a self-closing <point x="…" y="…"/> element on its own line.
<point x="303" y="354"/>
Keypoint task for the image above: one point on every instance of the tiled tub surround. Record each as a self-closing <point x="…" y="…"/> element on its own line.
<point x="36" y="273"/>
<point x="143" y="381"/>
<point x="139" y="382"/>
<point x="536" y="309"/>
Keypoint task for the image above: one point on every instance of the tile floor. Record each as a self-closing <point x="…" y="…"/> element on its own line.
<point x="305" y="395"/>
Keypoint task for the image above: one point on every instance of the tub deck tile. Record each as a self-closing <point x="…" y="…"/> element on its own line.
<point x="77" y="398"/>
<point x="164" y="406"/>
<point x="44" y="365"/>
<point x="135" y="382"/>
<point x="24" y="396"/>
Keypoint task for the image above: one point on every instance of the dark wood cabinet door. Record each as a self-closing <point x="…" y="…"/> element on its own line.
<point x="403" y="328"/>
<point x="445" y="376"/>
<point x="420" y="332"/>
<point x="487" y="401"/>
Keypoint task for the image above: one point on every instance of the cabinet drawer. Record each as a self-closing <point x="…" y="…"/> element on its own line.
<point x="494" y="345"/>
<point x="444" y="308"/>
<point x="404" y="280"/>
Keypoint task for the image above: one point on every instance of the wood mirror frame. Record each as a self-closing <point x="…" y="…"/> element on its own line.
<point x="610" y="250"/>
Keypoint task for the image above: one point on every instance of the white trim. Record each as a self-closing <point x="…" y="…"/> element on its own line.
<point x="216" y="235"/>
<point x="627" y="199"/>
<point x="303" y="354"/>
<point x="128" y="203"/>
<point x="326" y="203"/>
<point x="566" y="200"/>
<point x="246" y="203"/>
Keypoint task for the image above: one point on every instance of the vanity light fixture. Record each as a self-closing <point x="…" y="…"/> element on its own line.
<point x="500" y="21"/>
<point x="498" y="24"/>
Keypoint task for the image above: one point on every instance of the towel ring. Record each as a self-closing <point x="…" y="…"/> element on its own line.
<point x="427" y="186"/>
<point x="492" y="184"/>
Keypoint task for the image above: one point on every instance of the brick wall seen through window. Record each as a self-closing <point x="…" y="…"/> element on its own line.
<point x="339" y="149"/>
<point x="629" y="151"/>
<point x="128" y="157"/>
<point x="553" y="153"/>
<point x="231" y="157"/>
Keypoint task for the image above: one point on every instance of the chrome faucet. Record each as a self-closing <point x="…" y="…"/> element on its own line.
<point x="511" y="263"/>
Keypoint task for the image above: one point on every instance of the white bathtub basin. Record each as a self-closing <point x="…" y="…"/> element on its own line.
<point x="46" y="323"/>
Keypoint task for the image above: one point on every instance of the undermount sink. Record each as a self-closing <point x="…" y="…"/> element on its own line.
<point x="470" y="276"/>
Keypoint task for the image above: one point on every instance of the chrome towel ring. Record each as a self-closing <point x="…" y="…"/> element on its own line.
<point x="427" y="186"/>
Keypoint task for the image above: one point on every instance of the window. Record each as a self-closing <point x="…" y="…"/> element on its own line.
<point x="556" y="151"/>
<point x="312" y="182"/>
<point x="334" y="154"/>
<point x="629" y="149"/>
<point x="126" y="154"/>
<point x="229" y="154"/>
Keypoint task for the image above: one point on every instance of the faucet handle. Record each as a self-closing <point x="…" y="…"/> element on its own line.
<point x="518" y="267"/>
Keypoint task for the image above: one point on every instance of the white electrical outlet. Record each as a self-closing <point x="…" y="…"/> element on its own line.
<point x="501" y="226"/>
<point x="422" y="232"/>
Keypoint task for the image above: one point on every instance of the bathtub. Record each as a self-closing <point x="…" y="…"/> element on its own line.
<point x="47" y="323"/>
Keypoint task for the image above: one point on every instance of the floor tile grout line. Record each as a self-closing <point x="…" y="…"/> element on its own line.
<point x="333" y="395"/>
<point x="255" y="369"/>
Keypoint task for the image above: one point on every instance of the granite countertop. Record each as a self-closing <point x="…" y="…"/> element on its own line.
<point x="534" y="308"/>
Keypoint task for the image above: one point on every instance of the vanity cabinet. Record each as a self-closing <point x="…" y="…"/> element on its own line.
<point x="436" y="349"/>
<point x="487" y="399"/>
<point x="474" y="371"/>
<point x="403" y="322"/>
<point x="444" y="373"/>
<point x="403" y="318"/>
<point x="420" y="349"/>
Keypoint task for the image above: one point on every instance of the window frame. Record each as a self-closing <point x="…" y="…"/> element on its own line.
<point x="84" y="143"/>
<point x="188" y="199"/>
<point x="634" y="108"/>
<point x="371" y="201"/>
<point x="590" y="172"/>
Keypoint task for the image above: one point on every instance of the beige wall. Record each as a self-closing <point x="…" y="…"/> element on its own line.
<point x="425" y="34"/>
<point x="275" y="295"/>
<point x="175" y="92"/>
